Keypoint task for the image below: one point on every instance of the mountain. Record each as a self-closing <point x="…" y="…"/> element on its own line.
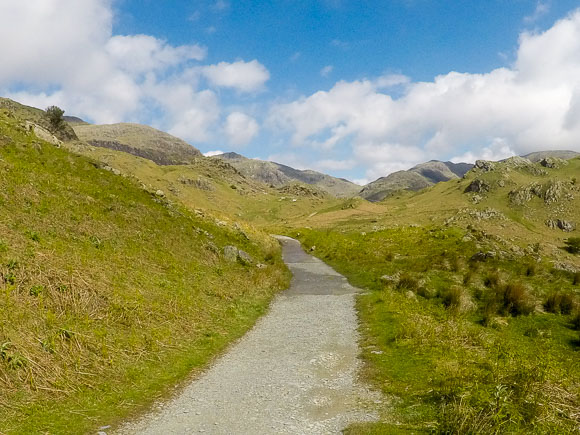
<point x="559" y="154"/>
<point x="278" y="175"/>
<point x="74" y="120"/>
<point x="139" y="140"/>
<point x="416" y="178"/>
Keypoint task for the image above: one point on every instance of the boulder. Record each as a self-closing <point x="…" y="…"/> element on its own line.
<point x="390" y="280"/>
<point x="244" y="257"/>
<point x="478" y="186"/>
<point x="485" y="165"/>
<point x="553" y="162"/>
<point x="231" y="253"/>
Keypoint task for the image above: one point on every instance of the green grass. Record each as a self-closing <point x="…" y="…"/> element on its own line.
<point x="425" y="343"/>
<point x="109" y="295"/>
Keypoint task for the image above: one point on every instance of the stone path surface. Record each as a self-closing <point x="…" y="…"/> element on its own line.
<point x="294" y="372"/>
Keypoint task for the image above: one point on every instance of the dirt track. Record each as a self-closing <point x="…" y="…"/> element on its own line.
<point x="294" y="372"/>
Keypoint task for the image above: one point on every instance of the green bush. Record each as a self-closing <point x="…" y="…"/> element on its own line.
<point x="560" y="303"/>
<point x="55" y="116"/>
<point x="573" y="245"/>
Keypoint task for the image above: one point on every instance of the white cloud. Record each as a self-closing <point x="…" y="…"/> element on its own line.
<point x="325" y="72"/>
<point x="242" y="76"/>
<point x="542" y="8"/>
<point x="240" y="128"/>
<point x="533" y="105"/>
<point x="498" y="150"/>
<point x="213" y="153"/>
<point x="63" y="52"/>
<point x="142" y="53"/>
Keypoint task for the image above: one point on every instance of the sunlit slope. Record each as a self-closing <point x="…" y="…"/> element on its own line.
<point x="108" y="293"/>
<point x="213" y="186"/>
<point x="521" y="201"/>
<point x="140" y="140"/>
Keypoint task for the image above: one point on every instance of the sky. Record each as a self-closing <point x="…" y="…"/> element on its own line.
<point x="354" y="88"/>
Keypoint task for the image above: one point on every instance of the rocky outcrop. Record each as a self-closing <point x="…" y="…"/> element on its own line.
<point x="233" y="254"/>
<point x="566" y="226"/>
<point x="550" y="192"/>
<point x="525" y="194"/>
<point x="477" y="186"/>
<point x="484" y="165"/>
<point x="553" y="162"/>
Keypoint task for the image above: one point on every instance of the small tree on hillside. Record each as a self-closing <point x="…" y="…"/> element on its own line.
<point x="573" y="245"/>
<point x="55" y="116"/>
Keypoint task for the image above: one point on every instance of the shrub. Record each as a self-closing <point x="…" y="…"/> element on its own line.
<point x="407" y="282"/>
<point x="55" y="116"/>
<point x="559" y="303"/>
<point x="515" y="299"/>
<point x="576" y="321"/>
<point x="451" y="297"/>
<point x="573" y="245"/>
<point x="492" y="280"/>
<point x="576" y="278"/>
<point x="531" y="269"/>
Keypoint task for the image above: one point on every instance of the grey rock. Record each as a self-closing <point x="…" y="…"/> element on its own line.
<point x="478" y="186"/>
<point x="244" y="257"/>
<point x="485" y="165"/>
<point x="483" y="256"/>
<point x="553" y="162"/>
<point x="391" y="280"/>
<point x="525" y="194"/>
<point x="231" y="253"/>
<point x="160" y="193"/>
<point x="553" y="192"/>
<point x="561" y="224"/>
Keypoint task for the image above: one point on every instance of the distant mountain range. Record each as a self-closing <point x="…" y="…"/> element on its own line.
<point x="277" y="175"/>
<point x="417" y="178"/>
<point x="164" y="149"/>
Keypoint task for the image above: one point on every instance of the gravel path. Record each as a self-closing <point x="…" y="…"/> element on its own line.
<point x="294" y="372"/>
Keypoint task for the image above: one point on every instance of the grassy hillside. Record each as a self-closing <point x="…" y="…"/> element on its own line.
<point x="214" y="187"/>
<point x="108" y="293"/>
<point x="472" y="322"/>
<point x="139" y="140"/>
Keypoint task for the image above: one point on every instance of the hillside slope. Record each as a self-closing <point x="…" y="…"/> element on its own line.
<point x="110" y="294"/>
<point x="470" y="321"/>
<point x="139" y="140"/>
<point x="277" y="175"/>
<point x="414" y="179"/>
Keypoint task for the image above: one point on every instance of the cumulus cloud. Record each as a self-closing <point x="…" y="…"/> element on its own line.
<point x="534" y="104"/>
<point x="240" y="128"/>
<point x="63" y="52"/>
<point x="242" y="76"/>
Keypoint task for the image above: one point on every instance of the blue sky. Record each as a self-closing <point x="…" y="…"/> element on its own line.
<point x="357" y="89"/>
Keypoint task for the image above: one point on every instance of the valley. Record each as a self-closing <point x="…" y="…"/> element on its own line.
<point x="118" y="279"/>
